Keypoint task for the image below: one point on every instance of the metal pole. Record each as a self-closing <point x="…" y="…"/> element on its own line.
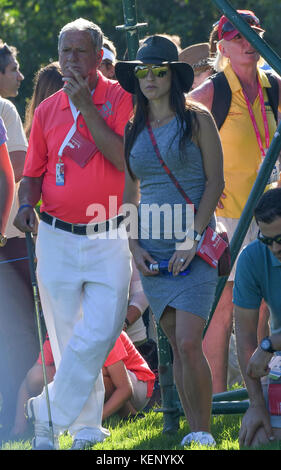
<point x="239" y="394"/>
<point x="229" y="407"/>
<point x="247" y="214"/>
<point x="37" y="303"/>
<point x="171" y="407"/>
<point x="131" y="27"/>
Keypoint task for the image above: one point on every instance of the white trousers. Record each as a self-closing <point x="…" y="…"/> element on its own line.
<point x="83" y="285"/>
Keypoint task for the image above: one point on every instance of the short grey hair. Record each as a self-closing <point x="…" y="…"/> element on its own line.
<point x="82" y="24"/>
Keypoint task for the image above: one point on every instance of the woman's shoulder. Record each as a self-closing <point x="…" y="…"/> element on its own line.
<point x="204" y="125"/>
<point x="203" y="95"/>
<point x="201" y="115"/>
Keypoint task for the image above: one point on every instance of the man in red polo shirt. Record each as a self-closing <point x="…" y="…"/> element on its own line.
<point x="75" y="164"/>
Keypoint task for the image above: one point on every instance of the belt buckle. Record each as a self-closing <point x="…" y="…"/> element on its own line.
<point x="72" y="228"/>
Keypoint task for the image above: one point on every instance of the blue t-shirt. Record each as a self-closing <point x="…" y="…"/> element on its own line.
<point x="258" y="276"/>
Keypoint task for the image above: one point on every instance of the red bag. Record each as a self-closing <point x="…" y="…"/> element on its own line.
<point x="274" y="399"/>
<point x="213" y="246"/>
<point x="80" y="149"/>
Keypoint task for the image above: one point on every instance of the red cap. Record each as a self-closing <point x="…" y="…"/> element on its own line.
<point x="248" y="15"/>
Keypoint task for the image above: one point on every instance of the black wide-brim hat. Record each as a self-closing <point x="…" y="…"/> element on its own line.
<point x="156" y="50"/>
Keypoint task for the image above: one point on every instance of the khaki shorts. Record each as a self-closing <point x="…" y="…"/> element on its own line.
<point x="230" y="226"/>
<point x="139" y="399"/>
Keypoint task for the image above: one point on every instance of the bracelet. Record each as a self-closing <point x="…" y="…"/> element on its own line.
<point x="3" y="240"/>
<point x="127" y="322"/>
<point x="24" y="205"/>
<point x="193" y="235"/>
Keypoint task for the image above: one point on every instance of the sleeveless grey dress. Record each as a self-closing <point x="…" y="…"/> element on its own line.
<point x="158" y="228"/>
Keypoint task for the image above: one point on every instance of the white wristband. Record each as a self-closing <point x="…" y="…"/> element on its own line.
<point x="193" y="235"/>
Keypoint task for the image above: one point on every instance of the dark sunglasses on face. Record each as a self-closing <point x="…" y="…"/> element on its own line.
<point x="268" y="240"/>
<point x="159" y="71"/>
<point x="251" y="20"/>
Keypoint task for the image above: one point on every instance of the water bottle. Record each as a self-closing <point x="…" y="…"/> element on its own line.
<point x="162" y="267"/>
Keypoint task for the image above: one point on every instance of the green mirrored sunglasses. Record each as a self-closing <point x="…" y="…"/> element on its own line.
<point x="159" y="71"/>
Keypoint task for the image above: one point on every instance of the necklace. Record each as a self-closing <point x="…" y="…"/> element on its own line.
<point x="162" y="120"/>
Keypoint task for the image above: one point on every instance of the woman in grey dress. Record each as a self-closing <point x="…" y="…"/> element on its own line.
<point x="189" y="145"/>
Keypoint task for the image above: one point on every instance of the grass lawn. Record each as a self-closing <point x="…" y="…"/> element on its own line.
<point x="146" y="434"/>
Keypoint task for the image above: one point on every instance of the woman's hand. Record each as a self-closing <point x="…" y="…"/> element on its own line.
<point x="220" y="204"/>
<point x="181" y="259"/>
<point x="142" y="259"/>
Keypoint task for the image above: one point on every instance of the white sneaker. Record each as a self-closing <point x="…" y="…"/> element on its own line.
<point x="43" y="438"/>
<point x="82" y="444"/>
<point x="203" y="438"/>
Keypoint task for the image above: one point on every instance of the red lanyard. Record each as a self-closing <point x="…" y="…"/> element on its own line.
<point x="265" y="122"/>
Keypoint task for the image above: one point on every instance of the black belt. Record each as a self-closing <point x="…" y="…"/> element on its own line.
<point x="87" y="229"/>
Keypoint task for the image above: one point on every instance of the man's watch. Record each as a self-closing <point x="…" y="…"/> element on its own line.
<point x="3" y="240"/>
<point x="193" y="235"/>
<point x="266" y="345"/>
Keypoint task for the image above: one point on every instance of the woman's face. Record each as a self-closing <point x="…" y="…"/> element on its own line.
<point x="156" y="87"/>
<point x="239" y="51"/>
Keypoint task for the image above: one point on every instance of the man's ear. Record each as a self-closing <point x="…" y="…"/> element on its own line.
<point x="99" y="57"/>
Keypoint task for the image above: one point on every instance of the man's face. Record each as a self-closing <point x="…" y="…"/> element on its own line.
<point x="76" y="52"/>
<point x="10" y="81"/>
<point x="272" y="230"/>
<point x="107" y="69"/>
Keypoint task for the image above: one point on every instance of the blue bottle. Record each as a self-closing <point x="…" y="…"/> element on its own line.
<point x="162" y="267"/>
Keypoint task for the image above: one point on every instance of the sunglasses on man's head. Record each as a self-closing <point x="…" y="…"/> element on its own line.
<point x="159" y="71"/>
<point x="250" y="19"/>
<point x="269" y="240"/>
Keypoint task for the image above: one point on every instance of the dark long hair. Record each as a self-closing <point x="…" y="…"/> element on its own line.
<point x="184" y="110"/>
<point x="47" y="81"/>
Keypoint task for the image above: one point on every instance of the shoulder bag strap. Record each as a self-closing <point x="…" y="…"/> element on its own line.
<point x="222" y="98"/>
<point x="273" y="94"/>
<point x="168" y="171"/>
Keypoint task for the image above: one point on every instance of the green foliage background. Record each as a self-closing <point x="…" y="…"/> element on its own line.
<point x="33" y="26"/>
